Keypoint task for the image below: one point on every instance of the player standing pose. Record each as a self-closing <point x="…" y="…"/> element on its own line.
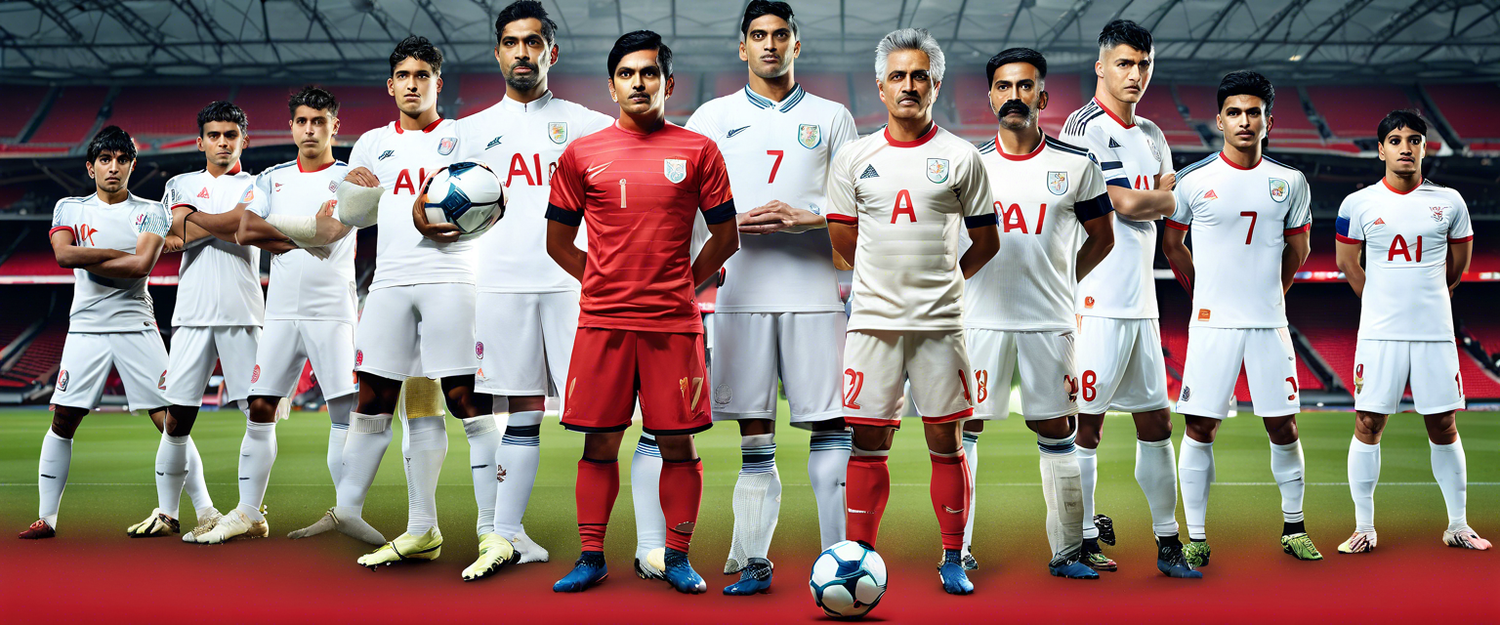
<point x="1120" y="360"/>
<point x="110" y="240"/>
<point x="527" y="305"/>
<point x="1249" y="219"/>
<point x="640" y="335"/>
<point x="899" y="198"/>
<point x="778" y="315"/>
<point x="1420" y="241"/>
<point x="1018" y="318"/>
<point x="220" y="306"/>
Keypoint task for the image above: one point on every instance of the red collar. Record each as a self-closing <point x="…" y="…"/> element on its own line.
<point x="1112" y="115"/>
<point x="429" y="128"/>
<point x="1393" y="189"/>
<point x="1237" y="165"/>
<point x="931" y="132"/>
<point x="310" y="171"/>
<point x="1019" y="157"/>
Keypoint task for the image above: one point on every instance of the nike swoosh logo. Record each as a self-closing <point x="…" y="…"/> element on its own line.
<point x="853" y="511"/>
<point x="737" y="130"/>
<point x="597" y="169"/>
<point x="952" y="511"/>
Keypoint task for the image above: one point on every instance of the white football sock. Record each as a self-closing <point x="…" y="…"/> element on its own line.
<point x="484" y="440"/>
<point x="1088" y="474"/>
<point x="1450" y="469"/>
<point x="171" y="472"/>
<point x="1364" y="475"/>
<point x="971" y="457"/>
<point x="1062" y="489"/>
<point x="645" y="492"/>
<point x="338" y="432"/>
<point x="827" y="461"/>
<point x="194" y="484"/>
<point x="1287" y="466"/>
<point x="1156" y="472"/>
<point x="369" y="436"/>
<point x="519" y="456"/>
<point x="257" y="454"/>
<point x="52" y="475"/>
<point x="424" y="445"/>
<point x="1195" y="469"/>
<point x="757" y="499"/>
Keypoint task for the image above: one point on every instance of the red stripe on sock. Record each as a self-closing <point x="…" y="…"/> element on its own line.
<point x="681" y="489"/>
<point x="950" y="498"/>
<point x="867" y="486"/>
<point x="595" y="492"/>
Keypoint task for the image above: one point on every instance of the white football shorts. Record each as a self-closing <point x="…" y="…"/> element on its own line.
<point x="287" y="343"/>
<point x="877" y="364"/>
<point x="751" y="351"/>
<point x="417" y="330"/>
<point x="194" y="351"/>
<point x="1044" y="360"/>
<point x="1214" y="356"/>
<point x="525" y="341"/>
<point x="140" y="357"/>
<point x="1120" y="365"/>
<point x="1382" y="369"/>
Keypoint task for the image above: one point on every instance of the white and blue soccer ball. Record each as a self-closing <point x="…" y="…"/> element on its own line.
<point x="466" y="194"/>
<point x="848" y="580"/>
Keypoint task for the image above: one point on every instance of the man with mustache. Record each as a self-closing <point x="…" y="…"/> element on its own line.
<point x="527" y="306"/>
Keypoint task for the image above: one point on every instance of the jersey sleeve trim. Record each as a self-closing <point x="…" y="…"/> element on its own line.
<point x="1093" y="208"/>
<point x="1462" y="239"/>
<point x="565" y="216"/>
<point x="719" y="214"/>
<point x="1118" y="182"/>
<point x="840" y="218"/>
<point x="70" y="229"/>
<point x="1347" y="239"/>
<point x="979" y="221"/>
<point x="1298" y="230"/>
<point x="1176" y="226"/>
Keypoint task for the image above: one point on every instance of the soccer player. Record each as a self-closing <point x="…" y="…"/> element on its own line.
<point x="1249" y="217"/>
<point x="1018" y="315"/>
<point x="1419" y="241"/>
<point x="1120" y="359"/>
<point x="110" y="240"/>
<point x="896" y="202"/>
<point x="640" y="335"/>
<point x="527" y="305"/>
<point x="778" y="316"/>
<point x="220" y="306"/>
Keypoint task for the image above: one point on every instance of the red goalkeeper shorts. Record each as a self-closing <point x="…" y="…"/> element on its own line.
<point x="610" y="369"/>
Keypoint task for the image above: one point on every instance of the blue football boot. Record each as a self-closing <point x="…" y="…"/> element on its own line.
<point x="951" y="571"/>
<point x="754" y="578"/>
<point x="587" y="572"/>
<point x="1072" y="567"/>
<point x="681" y="575"/>
<point x="1171" y="561"/>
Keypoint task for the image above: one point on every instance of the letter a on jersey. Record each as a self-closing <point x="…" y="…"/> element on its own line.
<point x="937" y="170"/>
<point x="675" y="169"/>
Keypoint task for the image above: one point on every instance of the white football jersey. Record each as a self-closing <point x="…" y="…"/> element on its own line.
<point x="302" y="285"/>
<point x="1406" y="237"/>
<point x="1123" y="286"/>
<point x="1041" y="198"/>
<point x="402" y="160"/>
<point x="109" y="304"/>
<point x="911" y="200"/>
<point x="219" y="283"/>
<point x="1238" y="220"/>
<point x="522" y="142"/>
<point x="778" y="151"/>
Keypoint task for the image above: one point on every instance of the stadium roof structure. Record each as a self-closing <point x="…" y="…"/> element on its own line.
<point x="105" y="41"/>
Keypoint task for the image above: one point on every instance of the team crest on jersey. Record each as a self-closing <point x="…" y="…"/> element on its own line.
<point x="62" y="381"/>
<point x="479" y="350"/>
<point x="333" y="186"/>
<point x="1155" y="152"/>
<point x="1057" y="182"/>
<point x="1186" y="392"/>
<point x="557" y="132"/>
<point x="675" y="169"/>
<point x="445" y="147"/>
<point x="1437" y="213"/>
<point x="249" y="195"/>
<point x="1278" y="189"/>
<point x="810" y="135"/>
<point x="937" y="170"/>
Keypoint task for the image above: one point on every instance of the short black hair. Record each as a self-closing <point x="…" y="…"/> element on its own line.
<point x="1246" y="82"/>
<point x="526" y="9"/>
<point x="1016" y="55"/>
<point x="1125" y="32"/>
<point x="1401" y="118"/>
<point x="222" y="111"/>
<point x="417" y="47"/>
<point x="761" y="8"/>
<point x="112" y="139"/>
<point x="313" y="97"/>
<point x="636" y="41"/>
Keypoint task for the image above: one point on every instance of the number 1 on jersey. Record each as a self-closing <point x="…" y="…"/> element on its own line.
<point x="622" y="193"/>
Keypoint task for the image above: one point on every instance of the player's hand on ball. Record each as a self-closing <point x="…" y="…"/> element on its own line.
<point x="363" y="177"/>
<point x="441" y="233"/>
<point x="1165" y="183"/>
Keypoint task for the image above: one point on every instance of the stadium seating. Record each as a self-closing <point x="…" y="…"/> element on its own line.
<point x="1353" y="111"/>
<point x="25" y="103"/>
<point x="477" y="92"/>
<point x="71" y="116"/>
<point x="1466" y="109"/>
<point x="40" y="359"/>
<point x="1159" y="107"/>
<point x="265" y="106"/>
<point x="590" y="90"/>
<point x="142" y="112"/>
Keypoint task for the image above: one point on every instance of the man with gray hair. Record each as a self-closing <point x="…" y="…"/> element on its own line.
<point x="896" y="202"/>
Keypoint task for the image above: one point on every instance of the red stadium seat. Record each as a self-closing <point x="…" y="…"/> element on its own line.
<point x="143" y="112"/>
<point x="26" y="101"/>
<point x="477" y="92"/>
<point x="1353" y="111"/>
<point x="71" y="116"/>
<point x="1468" y="109"/>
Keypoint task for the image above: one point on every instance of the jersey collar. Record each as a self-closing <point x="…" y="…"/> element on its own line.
<point x="1393" y="189"/>
<point x="932" y="132"/>
<point x="1237" y="165"/>
<point x="792" y="98"/>
<point x="1019" y="157"/>
<point x="1112" y="115"/>
<point x="313" y="171"/>
<point x="514" y="106"/>
<point x="429" y="128"/>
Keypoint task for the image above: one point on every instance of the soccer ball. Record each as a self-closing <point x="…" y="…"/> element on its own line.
<point x="847" y="580"/>
<point x="466" y="194"/>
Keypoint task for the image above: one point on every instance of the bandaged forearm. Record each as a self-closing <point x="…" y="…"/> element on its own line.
<point x="358" y="206"/>
<point x="301" y="229"/>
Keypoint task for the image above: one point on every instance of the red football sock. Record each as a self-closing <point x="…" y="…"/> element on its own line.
<point x="867" y="486"/>
<point x="681" y="489"/>
<point x="598" y="485"/>
<point x="950" y="497"/>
